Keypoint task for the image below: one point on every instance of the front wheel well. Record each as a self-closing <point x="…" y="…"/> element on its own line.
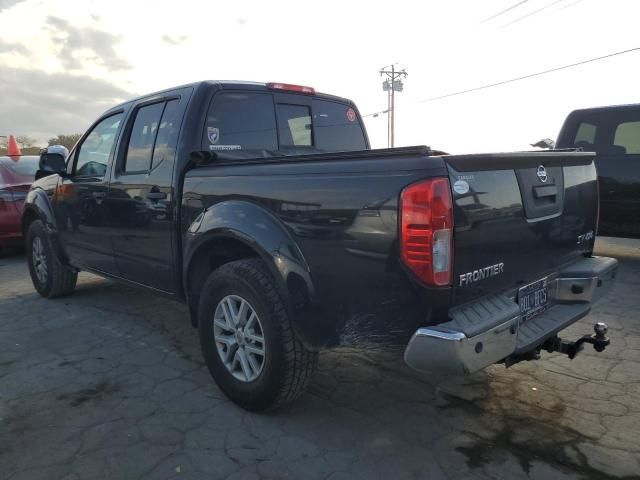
<point x="28" y="218"/>
<point x="209" y="257"/>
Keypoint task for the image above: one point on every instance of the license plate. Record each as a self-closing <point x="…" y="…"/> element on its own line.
<point x="533" y="299"/>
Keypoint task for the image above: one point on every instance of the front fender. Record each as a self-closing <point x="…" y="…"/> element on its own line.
<point x="39" y="205"/>
<point x="266" y="235"/>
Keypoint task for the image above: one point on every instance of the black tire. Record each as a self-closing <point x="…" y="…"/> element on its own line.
<point x="59" y="280"/>
<point x="288" y="365"/>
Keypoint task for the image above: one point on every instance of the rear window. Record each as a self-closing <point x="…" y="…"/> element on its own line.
<point x="336" y="127"/>
<point x="241" y="125"/>
<point x="256" y="125"/>
<point x="586" y="134"/>
<point x="294" y="125"/>
<point x="627" y="136"/>
<point x="614" y="131"/>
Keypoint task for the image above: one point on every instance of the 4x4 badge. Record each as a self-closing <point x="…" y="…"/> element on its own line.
<point x="542" y="174"/>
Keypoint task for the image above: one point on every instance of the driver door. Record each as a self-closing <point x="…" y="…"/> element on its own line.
<point x="81" y="210"/>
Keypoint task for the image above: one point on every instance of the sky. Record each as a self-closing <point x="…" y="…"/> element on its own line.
<point x="62" y="63"/>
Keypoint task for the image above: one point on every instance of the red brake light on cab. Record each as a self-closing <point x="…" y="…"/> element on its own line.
<point x="291" y="88"/>
<point x="426" y="231"/>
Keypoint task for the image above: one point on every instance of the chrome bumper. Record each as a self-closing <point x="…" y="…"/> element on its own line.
<point x="489" y="330"/>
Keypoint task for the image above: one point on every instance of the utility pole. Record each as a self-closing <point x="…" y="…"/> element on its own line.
<point x="391" y="85"/>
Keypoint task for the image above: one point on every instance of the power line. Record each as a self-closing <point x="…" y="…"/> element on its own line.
<point x="532" y="13"/>
<point x="504" y="11"/>
<point x="544" y="72"/>
<point x="570" y="5"/>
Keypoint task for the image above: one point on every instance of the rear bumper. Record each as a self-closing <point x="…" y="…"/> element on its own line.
<point x="490" y="329"/>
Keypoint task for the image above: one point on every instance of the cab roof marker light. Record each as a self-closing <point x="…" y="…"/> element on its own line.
<point x="291" y="88"/>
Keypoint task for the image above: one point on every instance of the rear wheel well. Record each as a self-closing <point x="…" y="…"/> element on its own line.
<point x="210" y="256"/>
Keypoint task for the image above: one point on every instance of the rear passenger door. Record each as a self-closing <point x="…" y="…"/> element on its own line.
<point x="142" y="201"/>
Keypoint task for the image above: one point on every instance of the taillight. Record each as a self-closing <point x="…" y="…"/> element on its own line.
<point x="426" y="229"/>
<point x="291" y="88"/>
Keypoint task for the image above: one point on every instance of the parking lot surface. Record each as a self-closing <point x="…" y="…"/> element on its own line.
<point x="110" y="383"/>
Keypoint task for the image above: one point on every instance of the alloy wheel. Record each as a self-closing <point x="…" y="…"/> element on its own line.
<point x="239" y="338"/>
<point x="39" y="259"/>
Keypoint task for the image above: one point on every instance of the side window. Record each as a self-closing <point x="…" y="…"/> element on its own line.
<point x="294" y="125"/>
<point x="627" y="137"/>
<point x="586" y="134"/>
<point x="93" y="154"/>
<point x="336" y="127"/>
<point x="165" y="147"/>
<point x="142" y="138"/>
<point x="241" y="123"/>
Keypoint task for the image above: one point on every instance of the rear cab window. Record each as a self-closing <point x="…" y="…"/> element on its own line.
<point x="608" y="132"/>
<point x="627" y="137"/>
<point x="253" y="125"/>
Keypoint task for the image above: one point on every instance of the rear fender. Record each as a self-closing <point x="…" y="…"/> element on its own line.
<point x="266" y="236"/>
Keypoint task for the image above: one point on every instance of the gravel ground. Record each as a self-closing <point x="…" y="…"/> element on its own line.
<point x="110" y="383"/>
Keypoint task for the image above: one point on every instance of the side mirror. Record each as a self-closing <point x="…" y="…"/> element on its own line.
<point x="52" y="160"/>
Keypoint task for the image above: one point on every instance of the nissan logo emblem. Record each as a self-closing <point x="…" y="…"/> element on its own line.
<point x="542" y="173"/>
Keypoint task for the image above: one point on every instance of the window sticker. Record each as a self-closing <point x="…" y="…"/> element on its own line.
<point x="225" y="147"/>
<point x="351" y="115"/>
<point x="461" y="187"/>
<point x="214" y="134"/>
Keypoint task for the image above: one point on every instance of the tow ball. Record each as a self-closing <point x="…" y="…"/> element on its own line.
<point x="599" y="341"/>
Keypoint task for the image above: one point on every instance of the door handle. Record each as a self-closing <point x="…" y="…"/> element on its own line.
<point x="156" y="195"/>
<point x="99" y="195"/>
<point x="545" y="191"/>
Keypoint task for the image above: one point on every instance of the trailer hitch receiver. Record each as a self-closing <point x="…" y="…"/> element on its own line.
<point x="599" y="340"/>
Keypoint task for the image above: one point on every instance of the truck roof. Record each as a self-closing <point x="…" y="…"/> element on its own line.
<point x="627" y="106"/>
<point x="226" y="84"/>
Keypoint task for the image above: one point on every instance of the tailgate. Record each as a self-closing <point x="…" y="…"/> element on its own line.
<point x="519" y="217"/>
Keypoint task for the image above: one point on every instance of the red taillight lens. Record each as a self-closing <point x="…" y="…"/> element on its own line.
<point x="291" y="88"/>
<point x="426" y="230"/>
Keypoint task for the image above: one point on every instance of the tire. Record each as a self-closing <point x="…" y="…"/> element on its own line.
<point x="286" y="365"/>
<point x="55" y="279"/>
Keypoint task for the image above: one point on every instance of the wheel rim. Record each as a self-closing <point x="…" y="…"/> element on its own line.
<point x="39" y="259"/>
<point x="239" y="338"/>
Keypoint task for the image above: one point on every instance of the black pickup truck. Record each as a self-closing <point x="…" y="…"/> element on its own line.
<point x="613" y="133"/>
<point x="262" y="208"/>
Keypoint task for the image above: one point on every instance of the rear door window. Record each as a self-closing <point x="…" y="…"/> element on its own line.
<point x="336" y="127"/>
<point x="241" y="123"/>
<point x="143" y="136"/>
<point x="167" y="139"/>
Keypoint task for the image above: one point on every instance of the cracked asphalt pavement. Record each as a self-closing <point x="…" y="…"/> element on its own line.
<point x="110" y="383"/>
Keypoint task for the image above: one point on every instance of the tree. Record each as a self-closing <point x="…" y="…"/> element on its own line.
<point x="67" y="140"/>
<point x="25" y="141"/>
